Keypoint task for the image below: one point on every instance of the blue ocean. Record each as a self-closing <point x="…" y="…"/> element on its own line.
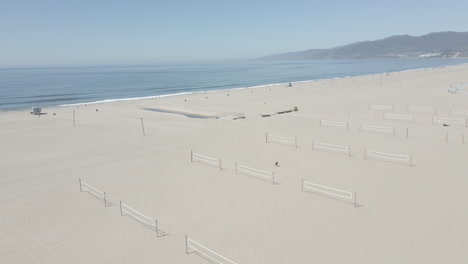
<point x="26" y="87"/>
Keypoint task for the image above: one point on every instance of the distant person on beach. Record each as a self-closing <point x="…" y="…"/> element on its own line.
<point x="277" y="164"/>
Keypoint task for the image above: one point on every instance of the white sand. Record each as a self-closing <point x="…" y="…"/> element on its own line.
<point x="408" y="215"/>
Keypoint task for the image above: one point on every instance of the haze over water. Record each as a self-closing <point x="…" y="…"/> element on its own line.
<point x="23" y="88"/>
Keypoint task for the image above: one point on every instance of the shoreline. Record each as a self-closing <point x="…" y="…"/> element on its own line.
<point x="114" y="100"/>
<point x="409" y="180"/>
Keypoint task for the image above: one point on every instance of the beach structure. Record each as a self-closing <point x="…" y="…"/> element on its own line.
<point x="334" y="124"/>
<point x="191" y="246"/>
<point x="269" y="138"/>
<point x="458" y="112"/>
<point x="261" y="174"/>
<point x="377" y="129"/>
<point x="347" y="196"/>
<point x="389" y="157"/>
<point x="449" y="120"/>
<point x="196" y="157"/>
<point x="398" y="117"/>
<point x="375" y="107"/>
<point x="85" y="187"/>
<point x="148" y="222"/>
<point x="343" y="149"/>
<point x="421" y="110"/>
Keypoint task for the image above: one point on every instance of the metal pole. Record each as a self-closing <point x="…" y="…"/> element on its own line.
<point x="266" y="137"/>
<point x="295" y="142"/>
<point x="121" y="214"/>
<point x="142" y="127"/>
<point x="407" y="132"/>
<point x="191" y="155"/>
<point x="349" y="151"/>
<point x="186" y="244"/>
<point x="220" y="168"/>
<point x="81" y="189"/>
<point x="411" y="160"/>
<point x="105" y="200"/>
<point x="273" y="176"/>
<point x="302" y="185"/>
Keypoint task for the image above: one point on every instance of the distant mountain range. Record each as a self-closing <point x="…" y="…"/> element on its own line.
<point x="433" y="45"/>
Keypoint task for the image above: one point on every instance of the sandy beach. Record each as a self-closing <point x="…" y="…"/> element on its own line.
<point x="405" y="213"/>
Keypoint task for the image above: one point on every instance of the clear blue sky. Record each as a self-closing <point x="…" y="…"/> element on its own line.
<point x="89" y="32"/>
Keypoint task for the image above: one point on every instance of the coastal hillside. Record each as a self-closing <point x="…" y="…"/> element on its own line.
<point x="433" y="45"/>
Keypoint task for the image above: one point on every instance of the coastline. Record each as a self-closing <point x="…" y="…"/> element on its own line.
<point x="143" y="159"/>
<point x="110" y="100"/>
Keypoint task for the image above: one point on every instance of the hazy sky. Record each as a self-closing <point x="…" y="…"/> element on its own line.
<point x="87" y="32"/>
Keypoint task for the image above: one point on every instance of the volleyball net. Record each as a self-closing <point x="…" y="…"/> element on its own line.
<point x="334" y="124"/>
<point x="329" y="191"/>
<point x="205" y="159"/>
<point x="85" y="187"/>
<point x="390" y="157"/>
<point x="279" y="139"/>
<point x="194" y="247"/>
<point x="377" y="129"/>
<point x="141" y="218"/>
<point x="331" y="148"/>
<point x="261" y="174"/>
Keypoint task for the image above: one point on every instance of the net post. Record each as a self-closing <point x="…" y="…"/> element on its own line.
<point x="302" y="185"/>
<point x="186" y="244"/>
<point x="411" y="160"/>
<point x="355" y="203"/>
<point x="191" y="155"/>
<point x="81" y="189"/>
<point x="142" y="126"/>
<point x="266" y="137"/>
<point x="105" y="200"/>
<point x="236" y="169"/>
<point x="295" y="142"/>
<point x="273" y="176"/>
<point x="347" y="126"/>
<point x="121" y="214"/>
<point x="220" y="168"/>
<point x="349" y="151"/>
<point x="407" y="132"/>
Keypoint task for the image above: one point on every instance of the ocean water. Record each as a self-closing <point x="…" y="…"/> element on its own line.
<point x="23" y="88"/>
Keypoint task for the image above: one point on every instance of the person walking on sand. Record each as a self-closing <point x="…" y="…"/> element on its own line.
<point x="277" y="164"/>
